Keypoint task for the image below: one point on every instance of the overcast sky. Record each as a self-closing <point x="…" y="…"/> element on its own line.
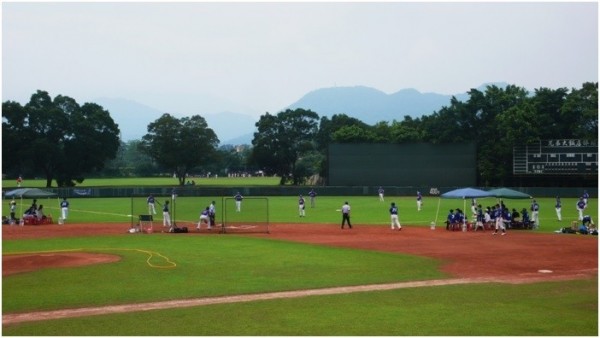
<point x="259" y="57"/>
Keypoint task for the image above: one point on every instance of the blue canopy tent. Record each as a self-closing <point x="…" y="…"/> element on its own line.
<point x="29" y="193"/>
<point x="509" y="193"/>
<point x="462" y="193"/>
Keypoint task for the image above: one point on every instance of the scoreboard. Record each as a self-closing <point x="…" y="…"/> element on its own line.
<point x="556" y="157"/>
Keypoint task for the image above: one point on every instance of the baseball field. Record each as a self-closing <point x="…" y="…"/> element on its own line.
<point x="305" y="277"/>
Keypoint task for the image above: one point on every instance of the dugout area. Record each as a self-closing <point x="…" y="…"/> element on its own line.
<point x="414" y="164"/>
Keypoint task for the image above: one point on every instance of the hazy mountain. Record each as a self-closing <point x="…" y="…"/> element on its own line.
<point x="133" y="119"/>
<point x="131" y="116"/>
<point x="366" y="104"/>
<point x="371" y="105"/>
<point x="231" y="126"/>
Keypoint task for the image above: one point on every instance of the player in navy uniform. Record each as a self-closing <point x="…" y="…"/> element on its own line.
<point x="151" y="205"/>
<point x="64" y="208"/>
<point x="238" y="202"/>
<point x="450" y="219"/>
<point x="480" y="219"/>
<point x="419" y="200"/>
<point x="301" y="206"/>
<point x="499" y="220"/>
<point x="580" y="207"/>
<point x="394" y="217"/>
<point x="586" y="196"/>
<point x="312" y="195"/>
<point x="380" y="192"/>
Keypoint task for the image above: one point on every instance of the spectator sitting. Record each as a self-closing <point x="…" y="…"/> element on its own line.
<point x="457" y="220"/>
<point x="526" y="221"/>
<point x="449" y="219"/>
<point x="487" y="218"/>
<point x="507" y="218"/>
<point x="39" y="214"/>
<point x="588" y="221"/>
<point x="516" y="221"/>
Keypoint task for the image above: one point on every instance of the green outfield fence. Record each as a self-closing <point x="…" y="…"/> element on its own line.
<point x="193" y="191"/>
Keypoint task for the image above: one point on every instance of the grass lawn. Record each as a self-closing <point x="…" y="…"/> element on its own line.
<point x="151" y="181"/>
<point x="366" y="210"/>
<point x="542" y="309"/>
<point x="155" y="268"/>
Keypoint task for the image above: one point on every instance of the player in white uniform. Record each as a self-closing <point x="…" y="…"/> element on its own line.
<point x="419" y="201"/>
<point x="380" y="191"/>
<point x="301" y="206"/>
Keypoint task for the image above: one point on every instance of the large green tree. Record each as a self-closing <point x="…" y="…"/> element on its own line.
<point x="180" y="145"/>
<point x="281" y="140"/>
<point x="57" y="138"/>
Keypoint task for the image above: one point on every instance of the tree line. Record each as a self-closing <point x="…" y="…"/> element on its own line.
<point x="61" y="140"/>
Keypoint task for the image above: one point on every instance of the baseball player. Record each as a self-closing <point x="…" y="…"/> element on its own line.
<point x="394" y="217"/>
<point x="558" y="207"/>
<point x="535" y="210"/>
<point x="238" y="202"/>
<point x="346" y="215"/>
<point x="151" y="207"/>
<point x="580" y="207"/>
<point x="419" y="200"/>
<point x="312" y="195"/>
<point x="167" y="216"/>
<point x="499" y="220"/>
<point x="212" y="212"/>
<point x="204" y="218"/>
<point x="586" y="196"/>
<point x="64" y="208"/>
<point x="301" y="206"/>
<point x="380" y="191"/>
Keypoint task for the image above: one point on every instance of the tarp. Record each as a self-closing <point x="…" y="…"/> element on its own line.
<point x="508" y="193"/>
<point x="29" y="193"/>
<point x="466" y="193"/>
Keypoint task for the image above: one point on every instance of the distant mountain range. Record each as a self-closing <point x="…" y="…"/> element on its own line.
<point x="133" y="119"/>
<point x="364" y="103"/>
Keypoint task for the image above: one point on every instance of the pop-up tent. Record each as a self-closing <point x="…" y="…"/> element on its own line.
<point x="29" y="193"/>
<point x="462" y="193"/>
<point x="509" y="193"/>
<point x="466" y="193"/>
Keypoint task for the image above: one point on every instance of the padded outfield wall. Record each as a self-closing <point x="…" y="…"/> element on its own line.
<point x="415" y="164"/>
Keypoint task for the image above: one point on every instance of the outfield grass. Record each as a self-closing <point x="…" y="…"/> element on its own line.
<point x="542" y="309"/>
<point x="152" y="181"/>
<point x="366" y="210"/>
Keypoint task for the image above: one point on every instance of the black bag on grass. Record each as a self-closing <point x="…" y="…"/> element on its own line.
<point x="180" y="230"/>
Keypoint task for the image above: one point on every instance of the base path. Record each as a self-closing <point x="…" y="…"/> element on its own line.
<point x="470" y="257"/>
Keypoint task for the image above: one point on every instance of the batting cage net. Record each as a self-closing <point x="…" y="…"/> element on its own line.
<point x="251" y="215"/>
<point x="143" y="214"/>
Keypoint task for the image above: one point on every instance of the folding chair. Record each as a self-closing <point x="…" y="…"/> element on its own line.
<point x="146" y="219"/>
